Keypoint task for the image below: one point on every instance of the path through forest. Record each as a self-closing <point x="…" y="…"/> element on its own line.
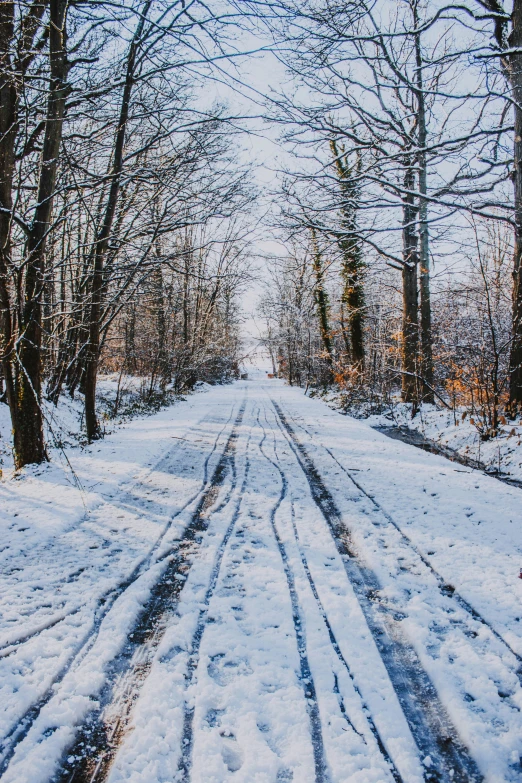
<point x="251" y="587"/>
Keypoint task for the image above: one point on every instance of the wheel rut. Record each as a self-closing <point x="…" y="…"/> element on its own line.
<point x="305" y="673"/>
<point x="98" y="738"/>
<point x="445" y="757"/>
<point x="445" y="589"/>
<point x="104" y="602"/>
<point x="337" y="650"/>
<point x="187" y="739"/>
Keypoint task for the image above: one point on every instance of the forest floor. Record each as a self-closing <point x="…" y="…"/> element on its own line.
<point x="249" y="587"/>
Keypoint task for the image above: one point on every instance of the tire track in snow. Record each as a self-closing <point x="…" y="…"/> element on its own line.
<point x="187" y="737"/>
<point x="105" y="603"/>
<point x="338" y="652"/>
<point x="11" y="647"/>
<point x="446" y="759"/>
<point x="306" y="678"/>
<point x="8" y="646"/>
<point x="106" y="729"/>
<point x="445" y="589"/>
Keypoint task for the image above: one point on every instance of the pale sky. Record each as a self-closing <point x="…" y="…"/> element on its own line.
<point x="256" y="75"/>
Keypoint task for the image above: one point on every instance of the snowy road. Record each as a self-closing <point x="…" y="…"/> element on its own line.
<point x="251" y="587"/>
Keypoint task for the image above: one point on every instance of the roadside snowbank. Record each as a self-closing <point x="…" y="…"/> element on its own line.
<point x="454" y="431"/>
<point x="120" y="398"/>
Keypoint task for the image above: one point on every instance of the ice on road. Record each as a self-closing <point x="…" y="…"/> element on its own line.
<point x="251" y="587"/>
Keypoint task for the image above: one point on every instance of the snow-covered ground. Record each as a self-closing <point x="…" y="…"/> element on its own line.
<point x="458" y="431"/>
<point x="64" y="424"/>
<point x="455" y="430"/>
<point x="345" y="608"/>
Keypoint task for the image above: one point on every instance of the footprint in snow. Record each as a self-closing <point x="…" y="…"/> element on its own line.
<point x="223" y="671"/>
<point x="213" y="718"/>
<point x="232" y="756"/>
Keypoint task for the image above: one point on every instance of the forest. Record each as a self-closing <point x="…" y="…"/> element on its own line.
<point x="130" y="214"/>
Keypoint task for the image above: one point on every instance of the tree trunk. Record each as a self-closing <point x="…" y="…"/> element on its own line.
<point x="12" y="70"/>
<point x="409" y="333"/>
<point x="321" y="300"/>
<point x="352" y="296"/>
<point x="424" y="248"/>
<point x="8" y="126"/>
<point x="272" y="359"/>
<point x="161" y="326"/>
<point x="28" y="437"/>
<point x="102" y="239"/>
<point x="410" y="324"/>
<point x="515" y="74"/>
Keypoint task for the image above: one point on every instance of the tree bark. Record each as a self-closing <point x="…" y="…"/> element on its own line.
<point x="29" y="443"/>
<point x="21" y="320"/>
<point x="512" y="66"/>
<point x="9" y="99"/>
<point x="321" y="300"/>
<point x="352" y="295"/>
<point x="515" y="75"/>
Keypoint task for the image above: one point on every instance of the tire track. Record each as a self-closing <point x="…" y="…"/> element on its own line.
<point x="11" y="645"/>
<point x="369" y="719"/>
<point x="445" y="757"/>
<point x="445" y="589"/>
<point x="106" y="728"/>
<point x="106" y="602"/>
<point x="335" y="645"/>
<point x="306" y="678"/>
<point x="187" y="737"/>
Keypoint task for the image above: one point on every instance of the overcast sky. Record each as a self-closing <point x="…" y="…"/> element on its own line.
<point x="252" y="77"/>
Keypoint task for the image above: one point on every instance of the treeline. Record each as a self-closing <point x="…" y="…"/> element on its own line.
<point x="112" y="163"/>
<point x="471" y="333"/>
<point x="182" y="325"/>
<point x="401" y="208"/>
<point x="122" y="200"/>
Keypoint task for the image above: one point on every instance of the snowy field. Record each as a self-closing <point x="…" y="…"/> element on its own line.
<point x="249" y="587"/>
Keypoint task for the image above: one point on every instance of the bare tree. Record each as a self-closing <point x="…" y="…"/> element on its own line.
<point x="22" y="318"/>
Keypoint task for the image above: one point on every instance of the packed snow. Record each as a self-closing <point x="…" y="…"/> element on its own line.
<point x="267" y="669"/>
